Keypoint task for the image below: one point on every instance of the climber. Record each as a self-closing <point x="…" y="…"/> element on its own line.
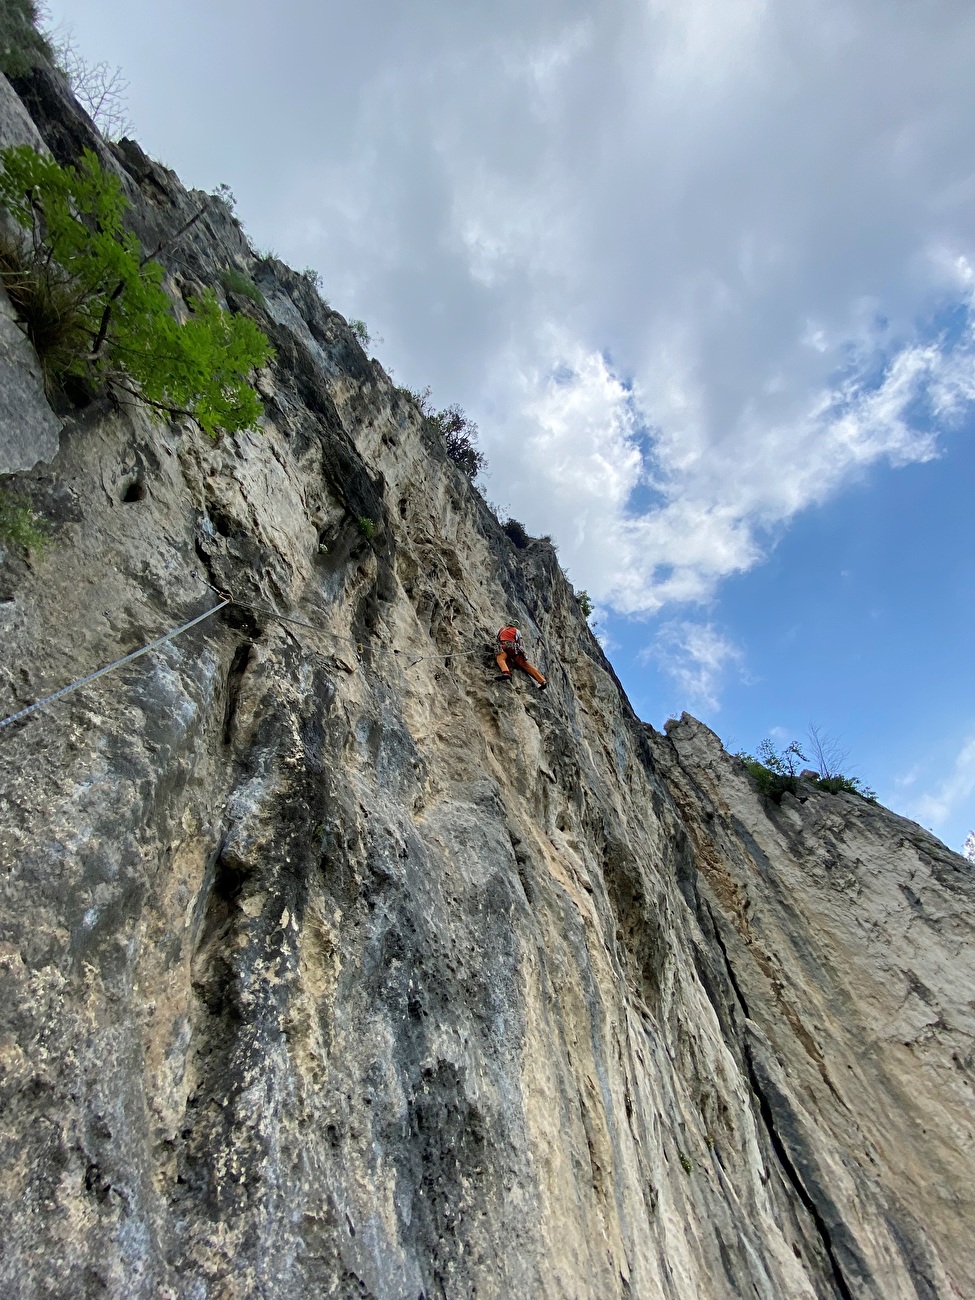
<point x="510" y="647"/>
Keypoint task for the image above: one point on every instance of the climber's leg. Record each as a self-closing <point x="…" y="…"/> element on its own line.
<point x="503" y="664"/>
<point x="522" y="663"/>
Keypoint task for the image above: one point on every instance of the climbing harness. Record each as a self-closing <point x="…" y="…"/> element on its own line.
<point x="509" y="639"/>
<point x="127" y="659"/>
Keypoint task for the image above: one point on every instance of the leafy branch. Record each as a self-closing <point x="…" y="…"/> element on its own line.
<point x="93" y="304"/>
<point x="458" y="431"/>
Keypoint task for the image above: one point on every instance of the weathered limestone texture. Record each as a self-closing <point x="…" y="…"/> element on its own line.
<point x="330" y="967"/>
<point x="845" y="934"/>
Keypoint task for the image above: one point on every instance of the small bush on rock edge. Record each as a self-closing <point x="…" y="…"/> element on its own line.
<point x="516" y="534"/>
<point x="458" y="431"/>
<point x="459" y="434"/>
<point x="19" y="525"/>
<point x="844" y="785"/>
<point x="777" y="773"/>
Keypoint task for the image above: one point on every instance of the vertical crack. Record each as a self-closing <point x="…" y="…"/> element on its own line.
<point x="778" y="1146"/>
<point x="234" y="678"/>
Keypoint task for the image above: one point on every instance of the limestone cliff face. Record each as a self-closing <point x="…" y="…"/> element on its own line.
<point x="331" y="967"/>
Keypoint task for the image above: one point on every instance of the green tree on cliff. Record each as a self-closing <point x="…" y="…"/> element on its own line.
<point x="94" y="307"/>
<point x="456" y="428"/>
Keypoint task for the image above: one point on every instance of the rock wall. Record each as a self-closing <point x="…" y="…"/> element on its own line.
<point x="332" y="967"/>
<point x="28" y="427"/>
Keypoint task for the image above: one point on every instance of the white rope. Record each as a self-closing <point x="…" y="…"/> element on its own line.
<point x="83" y="681"/>
<point x="226" y="599"/>
<point x="324" y="631"/>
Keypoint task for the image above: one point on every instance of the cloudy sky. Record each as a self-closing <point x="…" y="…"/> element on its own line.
<point x="703" y="271"/>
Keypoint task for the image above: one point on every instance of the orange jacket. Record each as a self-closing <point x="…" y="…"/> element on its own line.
<point x="509" y="639"/>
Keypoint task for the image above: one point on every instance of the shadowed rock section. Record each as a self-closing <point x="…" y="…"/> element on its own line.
<point x="332" y="968"/>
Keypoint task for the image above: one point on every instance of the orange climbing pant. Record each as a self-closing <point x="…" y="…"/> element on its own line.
<point x="518" y="660"/>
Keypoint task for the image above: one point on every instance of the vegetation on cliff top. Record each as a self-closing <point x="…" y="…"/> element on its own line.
<point x="458" y="431"/>
<point x="21" y="43"/>
<point x="779" y="772"/>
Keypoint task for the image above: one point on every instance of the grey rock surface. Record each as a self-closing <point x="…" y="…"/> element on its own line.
<point x="29" y="429"/>
<point x="331" y="969"/>
<point x="16" y="124"/>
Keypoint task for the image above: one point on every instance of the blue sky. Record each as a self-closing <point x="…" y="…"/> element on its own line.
<point x="703" y="275"/>
<point x="860" y="622"/>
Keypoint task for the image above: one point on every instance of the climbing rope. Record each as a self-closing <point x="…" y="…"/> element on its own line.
<point x="285" y="618"/>
<point x="226" y="598"/>
<point x="335" y="636"/>
<point x="127" y="659"/>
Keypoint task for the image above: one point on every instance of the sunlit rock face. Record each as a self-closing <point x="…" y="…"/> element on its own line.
<point x="333" y="967"/>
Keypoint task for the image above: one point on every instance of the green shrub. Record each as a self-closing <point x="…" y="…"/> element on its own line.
<point x="366" y="526"/>
<point x="845" y="785"/>
<point x="21" y="44"/>
<point x="94" y="307"/>
<point x="237" y="282"/>
<point x="19" y="525"/>
<point x="361" y="331"/>
<point x="458" y="431"/>
<point x="459" y="434"/>
<point x="309" y="275"/>
<point x="516" y="534"/>
<point x="775" y="773"/>
<point x="585" y="604"/>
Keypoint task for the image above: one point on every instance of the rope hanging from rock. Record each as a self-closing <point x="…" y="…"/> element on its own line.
<point x="225" y="599"/>
<point x="324" y="631"/>
<point x="83" y="681"/>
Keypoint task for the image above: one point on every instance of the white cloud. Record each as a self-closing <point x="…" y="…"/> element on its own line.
<point x="676" y="262"/>
<point x="948" y="796"/>
<point x="697" y="657"/>
<point x="578" y="452"/>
